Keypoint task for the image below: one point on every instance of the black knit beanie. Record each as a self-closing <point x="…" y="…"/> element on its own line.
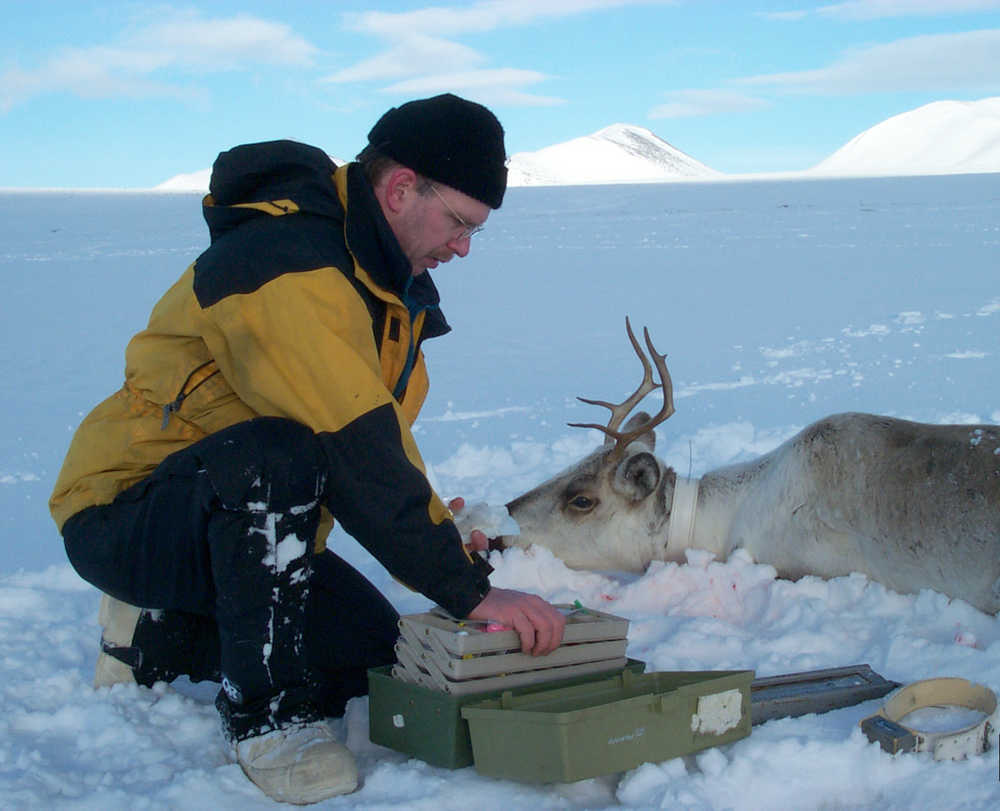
<point x="448" y="139"/>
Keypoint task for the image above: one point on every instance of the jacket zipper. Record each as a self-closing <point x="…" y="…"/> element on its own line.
<point x="197" y="377"/>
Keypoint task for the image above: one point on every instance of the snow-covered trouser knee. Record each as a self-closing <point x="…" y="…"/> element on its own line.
<point x="270" y="480"/>
<point x="224" y="529"/>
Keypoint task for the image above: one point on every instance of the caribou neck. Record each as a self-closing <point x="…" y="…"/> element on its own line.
<point x="683" y="512"/>
<point x="703" y="510"/>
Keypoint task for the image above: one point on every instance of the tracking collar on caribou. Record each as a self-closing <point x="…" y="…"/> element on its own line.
<point x="680" y="534"/>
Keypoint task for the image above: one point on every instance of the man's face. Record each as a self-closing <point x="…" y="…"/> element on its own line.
<point x="433" y="227"/>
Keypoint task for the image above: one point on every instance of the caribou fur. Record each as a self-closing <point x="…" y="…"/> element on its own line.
<point x="910" y="505"/>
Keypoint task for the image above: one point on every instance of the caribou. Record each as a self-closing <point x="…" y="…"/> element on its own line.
<point x="911" y="505"/>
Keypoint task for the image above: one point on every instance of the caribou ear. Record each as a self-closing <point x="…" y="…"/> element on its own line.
<point x="636" y="421"/>
<point x="647" y="438"/>
<point x="637" y="475"/>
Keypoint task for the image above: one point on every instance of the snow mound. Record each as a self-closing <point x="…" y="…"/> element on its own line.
<point x="944" y="137"/>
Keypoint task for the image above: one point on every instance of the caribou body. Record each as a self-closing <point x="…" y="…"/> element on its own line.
<point x="910" y="505"/>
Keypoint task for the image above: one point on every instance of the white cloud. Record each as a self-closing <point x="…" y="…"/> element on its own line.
<point x="694" y="103"/>
<point x="78" y="73"/>
<point x="967" y="62"/>
<point x="91" y="73"/>
<point x="415" y="39"/>
<point x="187" y="41"/>
<point x="783" y="15"/>
<point x="407" y="56"/>
<point x="495" y="86"/>
<point x="192" y="41"/>
<point x="855" y="10"/>
<point x="487" y="15"/>
<point x="880" y="9"/>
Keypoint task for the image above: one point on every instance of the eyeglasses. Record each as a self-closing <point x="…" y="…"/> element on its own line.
<point x="468" y="230"/>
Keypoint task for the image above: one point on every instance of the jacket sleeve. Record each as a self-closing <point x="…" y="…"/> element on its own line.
<point x="301" y="347"/>
<point x="382" y="502"/>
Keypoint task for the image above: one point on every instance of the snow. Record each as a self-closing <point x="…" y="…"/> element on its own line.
<point x="944" y="137"/>
<point x="777" y="302"/>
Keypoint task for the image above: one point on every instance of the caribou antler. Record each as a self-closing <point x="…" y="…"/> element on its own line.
<point x="620" y="411"/>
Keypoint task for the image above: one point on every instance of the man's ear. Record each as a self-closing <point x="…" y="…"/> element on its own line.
<point x="399" y="184"/>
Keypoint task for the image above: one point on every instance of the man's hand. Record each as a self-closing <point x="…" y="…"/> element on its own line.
<point x="539" y="624"/>
<point x="477" y="540"/>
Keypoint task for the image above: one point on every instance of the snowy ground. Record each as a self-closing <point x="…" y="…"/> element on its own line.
<point x="778" y="303"/>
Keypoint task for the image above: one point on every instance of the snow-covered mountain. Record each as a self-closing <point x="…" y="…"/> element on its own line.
<point x="945" y="137"/>
<point x="621" y="153"/>
<point x="198" y="181"/>
<point x="191" y="181"/>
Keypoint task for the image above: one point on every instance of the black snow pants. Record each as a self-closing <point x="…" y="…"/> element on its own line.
<point x="217" y="546"/>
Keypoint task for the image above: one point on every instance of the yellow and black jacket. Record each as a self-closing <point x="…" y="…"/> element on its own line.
<point x="303" y="307"/>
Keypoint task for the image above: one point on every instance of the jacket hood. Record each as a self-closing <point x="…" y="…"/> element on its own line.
<point x="253" y="184"/>
<point x="264" y="179"/>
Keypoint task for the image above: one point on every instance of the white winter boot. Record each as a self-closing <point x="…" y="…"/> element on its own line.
<point x="118" y="620"/>
<point x="299" y="765"/>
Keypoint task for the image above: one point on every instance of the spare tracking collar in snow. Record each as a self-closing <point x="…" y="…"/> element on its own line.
<point x="886" y="727"/>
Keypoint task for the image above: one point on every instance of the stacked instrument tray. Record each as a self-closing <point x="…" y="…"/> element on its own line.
<point x="464" y="657"/>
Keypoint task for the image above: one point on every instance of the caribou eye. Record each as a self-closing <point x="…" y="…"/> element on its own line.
<point x="582" y="503"/>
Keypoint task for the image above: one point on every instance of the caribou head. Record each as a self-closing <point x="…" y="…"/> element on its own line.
<point x="591" y="514"/>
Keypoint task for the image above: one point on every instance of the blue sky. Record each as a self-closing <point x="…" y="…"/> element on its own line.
<point x="128" y="94"/>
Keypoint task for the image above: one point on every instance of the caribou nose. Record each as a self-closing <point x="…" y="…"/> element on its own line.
<point x="515" y="504"/>
<point x="498" y="544"/>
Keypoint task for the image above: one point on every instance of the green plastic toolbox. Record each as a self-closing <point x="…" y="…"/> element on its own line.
<point x="427" y="723"/>
<point x="571" y="733"/>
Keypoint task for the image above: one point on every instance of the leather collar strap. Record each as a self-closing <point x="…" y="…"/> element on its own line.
<point x="680" y="534"/>
<point x="885" y="726"/>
